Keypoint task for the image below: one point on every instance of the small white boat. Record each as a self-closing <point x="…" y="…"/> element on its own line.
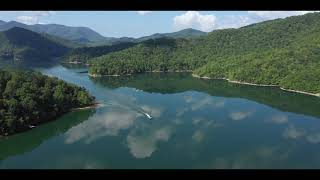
<point x="147" y="115"/>
<point x="30" y="126"/>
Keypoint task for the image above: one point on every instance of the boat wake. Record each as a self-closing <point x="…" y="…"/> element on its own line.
<point x="134" y="108"/>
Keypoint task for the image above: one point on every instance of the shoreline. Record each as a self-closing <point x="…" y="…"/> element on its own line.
<point x="117" y="75"/>
<point x="94" y="105"/>
<point x="76" y="62"/>
<point x="114" y="75"/>
<point x="178" y="71"/>
<point x="260" y="85"/>
<point x="226" y="79"/>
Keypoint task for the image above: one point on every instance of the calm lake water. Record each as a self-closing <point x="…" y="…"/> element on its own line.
<point x="196" y="124"/>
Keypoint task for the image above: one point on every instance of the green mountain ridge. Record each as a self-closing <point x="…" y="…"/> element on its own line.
<point x="19" y="44"/>
<point x="62" y="31"/>
<point x="23" y="45"/>
<point x="83" y="54"/>
<point x="283" y="52"/>
<point x="185" y="33"/>
<point x="84" y="36"/>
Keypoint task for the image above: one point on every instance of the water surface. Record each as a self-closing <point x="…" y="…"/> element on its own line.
<point x="196" y="124"/>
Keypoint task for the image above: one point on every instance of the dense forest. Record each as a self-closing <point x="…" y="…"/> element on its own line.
<point x="282" y="52"/>
<point x="23" y="45"/>
<point x="185" y="33"/>
<point x="83" y="54"/>
<point x="29" y="98"/>
<point x="163" y="54"/>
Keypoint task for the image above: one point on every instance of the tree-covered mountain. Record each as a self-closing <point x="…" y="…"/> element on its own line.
<point x="2" y="22"/>
<point x="29" y="98"/>
<point x="84" y="36"/>
<point x="23" y="45"/>
<point x="185" y="33"/>
<point x="283" y="52"/>
<point x="83" y="54"/>
<point x="76" y="34"/>
<point x="151" y="55"/>
<point x="65" y="42"/>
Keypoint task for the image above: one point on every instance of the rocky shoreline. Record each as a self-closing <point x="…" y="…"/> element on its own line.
<point x="262" y="85"/>
<point x="229" y="80"/>
<point x="116" y="75"/>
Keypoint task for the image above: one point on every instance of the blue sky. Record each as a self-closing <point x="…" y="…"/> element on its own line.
<point x="143" y="23"/>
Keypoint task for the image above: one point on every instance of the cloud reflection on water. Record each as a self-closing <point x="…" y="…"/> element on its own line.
<point x="314" y="138"/>
<point x="108" y="123"/>
<point x="240" y="115"/>
<point x="291" y="132"/>
<point x="142" y="146"/>
<point x="198" y="136"/>
<point x="279" y="119"/>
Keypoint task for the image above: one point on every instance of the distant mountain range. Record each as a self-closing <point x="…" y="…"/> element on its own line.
<point x="185" y="33"/>
<point x="76" y="34"/>
<point x="44" y="41"/>
<point x="20" y="44"/>
<point x="87" y="36"/>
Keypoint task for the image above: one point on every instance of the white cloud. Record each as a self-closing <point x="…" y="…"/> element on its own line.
<point x="37" y="13"/>
<point x="193" y="19"/>
<point x="268" y="15"/>
<point x="239" y="115"/>
<point x="233" y="21"/>
<point x="143" y="12"/>
<point x="190" y="19"/>
<point x="28" y="19"/>
<point x="31" y="17"/>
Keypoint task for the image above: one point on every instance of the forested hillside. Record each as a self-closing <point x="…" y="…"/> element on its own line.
<point x="29" y="98"/>
<point x="282" y="52"/>
<point x="23" y="45"/>
<point x="82" y="55"/>
<point x="81" y="35"/>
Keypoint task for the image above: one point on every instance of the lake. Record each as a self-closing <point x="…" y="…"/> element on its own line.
<point x="195" y="123"/>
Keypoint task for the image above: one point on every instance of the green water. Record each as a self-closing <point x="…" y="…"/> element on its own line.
<point x="196" y="124"/>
